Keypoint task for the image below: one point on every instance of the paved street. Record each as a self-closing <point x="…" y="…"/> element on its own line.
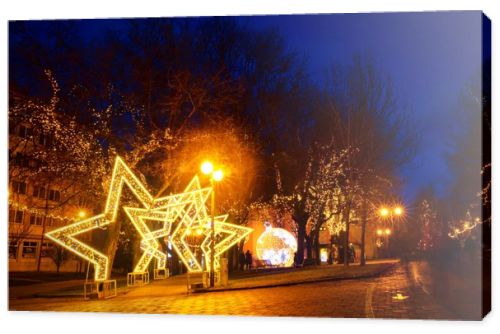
<point x="390" y="296"/>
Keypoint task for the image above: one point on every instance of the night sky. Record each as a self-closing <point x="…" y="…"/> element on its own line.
<point x="430" y="57"/>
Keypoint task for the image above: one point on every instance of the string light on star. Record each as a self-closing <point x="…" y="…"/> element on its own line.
<point x="65" y="236"/>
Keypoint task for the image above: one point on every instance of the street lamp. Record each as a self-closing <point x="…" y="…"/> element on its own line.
<point x="387" y="212"/>
<point x="384" y="212"/>
<point x="391" y="213"/>
<point x="398" y="211"/>
<point x="207" y="168"/>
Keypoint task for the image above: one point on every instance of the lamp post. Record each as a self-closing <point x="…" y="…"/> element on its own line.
<point x="389" y="213"/>
<point x="207" y="168"/>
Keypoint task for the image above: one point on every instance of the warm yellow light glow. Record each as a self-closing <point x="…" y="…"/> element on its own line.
<point x="399" y="296"/>
<point x="398" y="211"/>
<point x="189" y="210"/>
<point x="82" y="214"/>
<point x="199" y="231"/>
<point x="207" y="167"/>
<point x="278" y="246"/>
<point x="65" y="236"/>
<point x="384" y="212"/>
<point x="218" y="175"/>
<point x="379" y="232"/>
<point x="149" y="244"/>
<point x="387" y="231"/>
<point x="226" y="236"/>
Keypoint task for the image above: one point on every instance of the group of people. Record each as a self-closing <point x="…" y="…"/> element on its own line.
<point x="339" y="252"/>
<point x="245" y="260"/>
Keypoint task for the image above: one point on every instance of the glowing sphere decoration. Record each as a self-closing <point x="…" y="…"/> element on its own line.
<point x="277" y="246"/>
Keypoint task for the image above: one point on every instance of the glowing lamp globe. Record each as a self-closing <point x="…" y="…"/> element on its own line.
<point x="277" y="246"/>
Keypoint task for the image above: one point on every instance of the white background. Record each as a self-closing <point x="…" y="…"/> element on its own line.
<point x="32" y="322"/>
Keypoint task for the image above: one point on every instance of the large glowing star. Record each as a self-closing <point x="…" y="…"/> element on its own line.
<point x="122" y="175"/>
<point x="226" y="235"/>
<point x="149" y="244"/>
<point x="186" y="209"/>
<point x="65" y="236"/>
<point x="277" y="246"/>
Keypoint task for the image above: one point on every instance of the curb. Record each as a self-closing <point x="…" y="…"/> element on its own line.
<point x="284" y="284"/>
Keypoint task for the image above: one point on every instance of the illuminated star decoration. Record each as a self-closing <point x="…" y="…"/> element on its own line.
<point x="185" y="208"/>
<point x="65" y="236"/>
<point x="226" y="235"/>
<point x="149" y="244"/>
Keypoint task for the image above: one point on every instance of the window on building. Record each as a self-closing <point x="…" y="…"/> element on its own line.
<point x="36" y="219"/>
<point x="44" y="139"/>
<point x="82" y="202"/>
<point x="13" y="246"/>
<point x="33" y="163"/>
<point x="29" y="249"/>
<point x="54" y="195"/>
<point x="21" y="160"/>
<point x="46" y="249"/>
<point x="25" y="131"/>
<point x="19" y="187"/>
<point x="16" y="216"/>
<point x="39" y="192"/>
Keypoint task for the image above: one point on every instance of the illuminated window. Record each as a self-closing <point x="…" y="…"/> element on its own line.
<point x="46" y="249"/>
<point x="54" y="195"/>
<point x="29" y="249"/>
<point x="39" y="192"/>
<point x="16" y="216"/>
<point x="19" y="187"/>
<point x="36" y="219"/>
<point x="13" y="247"/>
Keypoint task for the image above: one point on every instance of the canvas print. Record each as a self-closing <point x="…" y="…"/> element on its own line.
<point x="333" y="165"/>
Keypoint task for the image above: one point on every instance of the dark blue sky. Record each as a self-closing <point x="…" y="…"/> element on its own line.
<point x="431" y="57"/>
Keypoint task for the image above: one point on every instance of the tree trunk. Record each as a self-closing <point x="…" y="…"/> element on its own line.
<point x="111" y="243"/>
<point x="309" y="246"/>
<point x="346" y="239"/>
<point x="363" y="232"/>
<point x="317" y="255"/>
<point x="44" y="224"/>
<point x="301" y="235"/>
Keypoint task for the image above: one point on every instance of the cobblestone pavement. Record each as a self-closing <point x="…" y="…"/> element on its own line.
<point x="360" y="298"/>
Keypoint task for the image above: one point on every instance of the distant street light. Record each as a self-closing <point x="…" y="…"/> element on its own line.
<point x="398" y="211"/>
<point x="207" y="168"/>
<point x="387" y="212"/>
<point x="82" y="214"/>
<point x="384" y="212"/>
<point x="390" y="213"/>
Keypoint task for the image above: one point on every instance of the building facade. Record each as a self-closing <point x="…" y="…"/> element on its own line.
<point x="36" y="207"/>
